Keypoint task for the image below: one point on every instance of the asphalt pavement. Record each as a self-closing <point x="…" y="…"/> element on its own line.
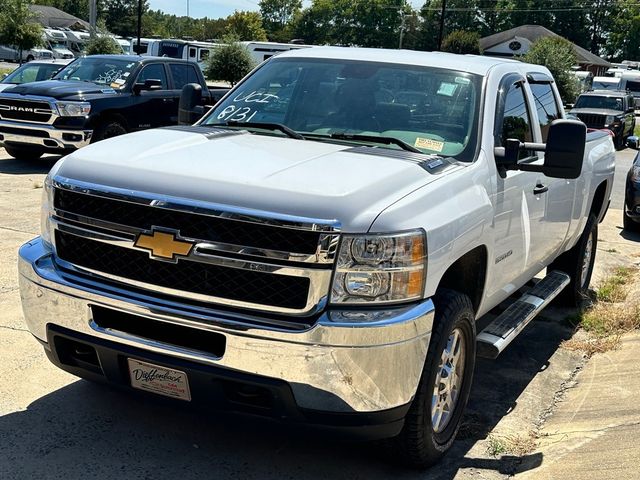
<point x="53" y="425"/>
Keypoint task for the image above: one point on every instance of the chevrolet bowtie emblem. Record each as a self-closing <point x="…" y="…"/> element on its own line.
<point x="163" y="245"/>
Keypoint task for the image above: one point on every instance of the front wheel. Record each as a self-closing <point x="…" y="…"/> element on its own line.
<point x="578" y="264"/>
<point x="24" y="153"/>
<point x="107" y="129"/>
<point x="434" y="417"/>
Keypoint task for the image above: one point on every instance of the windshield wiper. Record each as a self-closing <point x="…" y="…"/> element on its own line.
<point x="266" y="126"/>
<point x="373" y="139"/>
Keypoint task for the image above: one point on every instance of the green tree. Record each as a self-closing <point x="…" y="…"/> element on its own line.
<point x="229" y="62"/>
<point x="102" y="44"/>
<point x="277" y="17"/>
<point x="624" y="40"/>
<point x="77" y="8"/>
<point x="460" y="41"/>
<point x="557" y="54"/>
<point x="18" y="25"/>
<point x="246" y="26"/>
<point x="121" y="16"/>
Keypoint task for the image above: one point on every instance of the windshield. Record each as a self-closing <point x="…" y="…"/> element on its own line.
<point x="32" y="73"/>
<point x="104" y="71"/>
<point x="609" y="103"/>
<point x="599" y="85"/>
<point x="58" y="44"/>
<point x="434" y="110"/>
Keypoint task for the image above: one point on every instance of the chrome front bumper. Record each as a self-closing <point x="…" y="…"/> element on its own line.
<point x="56" y="139"/>
<point x="338" y="365"/>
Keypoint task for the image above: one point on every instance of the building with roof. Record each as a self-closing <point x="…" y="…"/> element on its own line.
<point x="517" y="41"/>
<point x="55" y="18"/>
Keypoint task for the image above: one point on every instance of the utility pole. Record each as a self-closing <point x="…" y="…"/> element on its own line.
<point x="92" y="17"/>
<point x="402" y="26"/>
<point x="139" y="24"/>
<point x="187" y="8"/>
<point x="442" y="12"/>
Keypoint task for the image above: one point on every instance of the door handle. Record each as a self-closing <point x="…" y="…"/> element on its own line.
<point x="540" y="189"/>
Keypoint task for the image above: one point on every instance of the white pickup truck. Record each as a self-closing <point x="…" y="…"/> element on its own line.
<point x="319" y="247"/>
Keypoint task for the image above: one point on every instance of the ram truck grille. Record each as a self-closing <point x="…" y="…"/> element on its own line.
<point x="25" y="110"/>
<point x="592" y="120"/>
<point x="234" y="259"/>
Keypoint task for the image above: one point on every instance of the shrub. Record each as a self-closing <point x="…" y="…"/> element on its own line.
<point x="102" y="45"/>
<point x="461" y="41"/>
<point x="557" y="54"/>
<point x="229" y="62"/>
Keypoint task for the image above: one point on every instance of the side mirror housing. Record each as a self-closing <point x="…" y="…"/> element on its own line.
<point x="190" y="108"/>
<point x="564" y="151"/>
<point x="633" y="142"/>
<point x="149" y="84"/>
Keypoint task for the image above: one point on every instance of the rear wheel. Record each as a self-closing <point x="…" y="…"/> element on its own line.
<point x="24" y="153"/>
<point x="434" y="417"/>
<point x="628" y="223"/>
<point x="578" y="264"/>
<point x="108" y="129"/>
<point x="30" y="58"/>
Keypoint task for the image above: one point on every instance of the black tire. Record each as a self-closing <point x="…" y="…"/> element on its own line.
<point x="419" y="444"/>
<point x="24" y="153"/>
<point x="108" y="129"/>
<point x="572" y="262"/>
<point x="30" y="58"/>
<point x="628" y="223"/>
<point x="619" y="141"/>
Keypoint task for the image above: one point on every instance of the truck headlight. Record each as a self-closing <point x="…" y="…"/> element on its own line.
<point x="380" y="268"/>
<point x="46" y="210"/>
<point x="74" y="109"/>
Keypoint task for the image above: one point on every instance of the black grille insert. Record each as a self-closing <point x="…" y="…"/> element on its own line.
<point x="205" y="279"/>
<point x="592" y="120"/>
<point x="191" y="225"/>
<point x="25" y="110"/>
<point x="169" y="333"/>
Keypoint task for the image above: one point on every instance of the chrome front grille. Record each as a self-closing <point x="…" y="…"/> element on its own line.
<point x="238" y="259"/>
<point x="25" y="110"/>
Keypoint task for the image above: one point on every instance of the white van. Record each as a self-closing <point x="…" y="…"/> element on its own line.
<point x="56" y="41"/>
<point x="630" y="82"/>
<point x="191" y="50"/>
<point x="261" y="51"/>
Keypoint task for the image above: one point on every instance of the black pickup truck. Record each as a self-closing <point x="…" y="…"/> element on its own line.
<point x="93" y="98"/>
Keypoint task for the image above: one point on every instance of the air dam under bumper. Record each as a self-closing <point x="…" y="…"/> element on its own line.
<point x="334" y="367"/>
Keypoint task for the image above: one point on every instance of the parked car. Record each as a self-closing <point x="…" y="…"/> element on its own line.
<point x="605" y="83"/>
<point x="12" y="54"/>
<point x="35" y="71"/>
<point x="315" y="251"/>
<point x="93" y="98"/>
<point x="612" y="110"/>
<point x="631" y="210"/>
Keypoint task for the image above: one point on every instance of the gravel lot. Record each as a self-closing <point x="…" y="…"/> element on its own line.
<point x="53" y="425"/>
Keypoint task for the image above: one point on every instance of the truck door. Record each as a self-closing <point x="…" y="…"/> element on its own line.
<point x="157" y="108"/>
<point x="181" y="74"/>
<point x="558" y="199"/>
<point x="519" y="201"/>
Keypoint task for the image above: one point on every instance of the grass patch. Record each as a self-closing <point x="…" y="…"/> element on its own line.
<point x="609" y="317"/>
<point x="518" y="445"/>
<point x="613" y="288"/>
<point x="636" y="131"/>
<point x="5" y="70"/>
<point x="611" y="250"/>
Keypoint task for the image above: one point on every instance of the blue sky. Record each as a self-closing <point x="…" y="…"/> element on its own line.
<point x="216" y="8"/>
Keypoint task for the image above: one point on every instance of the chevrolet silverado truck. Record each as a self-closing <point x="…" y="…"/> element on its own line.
<point x="319" y="247"/>
<point x="91" y="99"/>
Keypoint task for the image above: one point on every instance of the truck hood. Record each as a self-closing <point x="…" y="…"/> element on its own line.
<point x="596" y="111"/>
<point x="304" y="178"/>
<point x="61" y="89"/>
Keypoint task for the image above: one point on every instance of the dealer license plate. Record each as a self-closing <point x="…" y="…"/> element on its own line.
<point x="159" y="379"/>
